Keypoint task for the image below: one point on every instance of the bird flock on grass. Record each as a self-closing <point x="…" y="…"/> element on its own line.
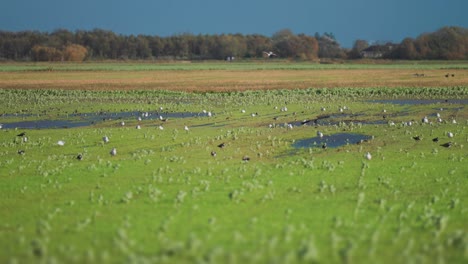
<point x="424" y="121"/>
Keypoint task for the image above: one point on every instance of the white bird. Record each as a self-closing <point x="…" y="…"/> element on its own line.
<point x="209" y="114"/>
<point x="1" y="126"/>
<point x="105" y="139"/>
<point x="243" y="111"/>
<point x="385" y="111"/>
<point x="25" y="139"/>
<point x="269" y="53"/>
<point x="368" y="156"/>
<point x="454" y="121"/>
<point x="139" y="118"/>
<point x="438" y="115"/>
<point x="138" y="127"/>
<point x="425" y="120"/>
<point x="290" y="126"/>
<point x="122" y="123"/>
<point x="323" y="109"/>
<point x="161" y="108"/>
<point x="450" y="134"/>
<point x="161" y="127"/>
<point x="113" y="152"/>
<point x="186" y="128"/>
<point x="60" y="142"/>
<point x="319" y="134"/>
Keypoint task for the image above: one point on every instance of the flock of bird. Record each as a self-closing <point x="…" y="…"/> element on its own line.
<point x="368" y="156"/>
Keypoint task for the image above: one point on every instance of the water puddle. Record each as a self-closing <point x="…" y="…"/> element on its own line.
<point x="42" y="124"/>
<point x="88" y="119"/>
<point x="335" y="119"/>
<point x="331" y="141"/>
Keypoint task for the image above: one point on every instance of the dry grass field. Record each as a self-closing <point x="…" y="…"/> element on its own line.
<point x="231" y="80"/>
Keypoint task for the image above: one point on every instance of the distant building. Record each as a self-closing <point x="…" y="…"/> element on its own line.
<point x="377" y="51"/>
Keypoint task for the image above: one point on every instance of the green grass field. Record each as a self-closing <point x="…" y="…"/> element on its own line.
<point x="253" y="65"/>
<point x="165" y="199"/>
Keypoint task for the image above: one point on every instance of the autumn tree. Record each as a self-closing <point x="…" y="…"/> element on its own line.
<point x="74" y="52"/>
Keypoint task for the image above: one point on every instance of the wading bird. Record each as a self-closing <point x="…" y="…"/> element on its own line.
<point x="447" y="145"/>
<point x="22" y="134"/>
<point x="368" y="156"/>
<point x="113" y="152"/>
<point x="417" y="138"/>
<point x="435" y="139"/>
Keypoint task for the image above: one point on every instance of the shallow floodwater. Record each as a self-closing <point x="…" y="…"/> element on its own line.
<point x="331" y="141"/>
<point x="42" y="124"/>
<point x="88" y="119"/>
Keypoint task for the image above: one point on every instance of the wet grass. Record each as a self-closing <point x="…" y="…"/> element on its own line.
<point x="165" y="198"/>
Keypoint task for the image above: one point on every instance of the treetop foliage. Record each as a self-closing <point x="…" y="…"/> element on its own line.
<point x="63" y="45"/>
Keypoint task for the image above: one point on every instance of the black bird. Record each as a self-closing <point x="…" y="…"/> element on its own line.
<point x="435" y="139"/>
<point x="416" y="138"/>
<point x="246" y="158"/>
<point x="453" y="75"/>
<point x="222" y="145"/>
<point x="79" y="157"/>
<point x="447" y="75"/>
<point x="21" y="152"/>
<point x="447" y="145"/>
<point x="324" y="145"/>
<point x="22" y="134"/>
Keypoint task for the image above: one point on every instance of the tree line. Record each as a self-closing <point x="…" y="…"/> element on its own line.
<point x="64" y="45"/>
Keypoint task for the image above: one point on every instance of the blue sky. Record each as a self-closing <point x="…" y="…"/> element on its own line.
<point x="348" y="20"/>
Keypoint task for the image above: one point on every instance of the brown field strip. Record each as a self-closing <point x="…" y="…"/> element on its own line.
<point x="225" y="80"/>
